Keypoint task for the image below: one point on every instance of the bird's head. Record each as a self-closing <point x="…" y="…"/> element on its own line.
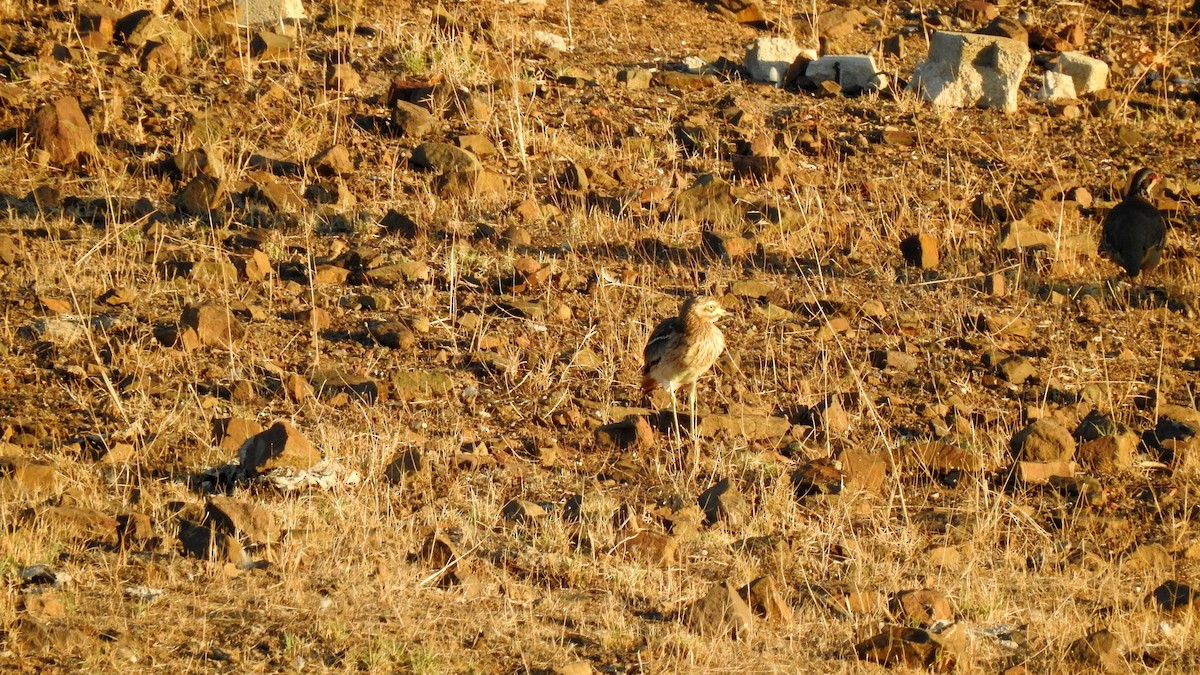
<point x="704" y="307"/>
<point x="1143" y="183"/>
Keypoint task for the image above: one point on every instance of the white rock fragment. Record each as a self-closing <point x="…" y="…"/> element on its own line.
<point x="144" y="593"/>
<point x="264" y="12"/>
<point x="550" y="40"/>
<point x="968" y="69"/>
<point x="851" y="71"/>
<point x="696" y="65"/>
<point x="1056" y="86"/>
<point x="768" y="59"/>
<point x="1087" y="73"/>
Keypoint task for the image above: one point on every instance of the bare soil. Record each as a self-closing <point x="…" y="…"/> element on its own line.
<point x="518" y="311"/>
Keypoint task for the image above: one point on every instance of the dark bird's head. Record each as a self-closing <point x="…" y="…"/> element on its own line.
<point x="1143" y="183"/>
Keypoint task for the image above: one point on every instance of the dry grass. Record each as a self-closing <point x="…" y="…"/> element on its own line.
<point x="344" y="590"/>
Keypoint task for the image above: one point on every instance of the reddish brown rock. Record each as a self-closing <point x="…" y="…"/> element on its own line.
<point x="1044" y="472"/>
<point x="723" y="503"/>
<point x="280" y="445"/>
<point x="921" y="250"/>
<point x="1043" y="441"/>
<point x="135" y="530"/>
<point x="1099" y="648"/>
<point x="231" y="432"/>
<point x="764" y="598"/>
<point x="26" y="478"/>
<point x="202" y="542"/>
<point x="923" y="607"/>
<point x="901" y="646"/>
<point x="721" y="613"/>
<point x="332" y="162"/>
<point x="242" y="518"/>
<point x="61" y="130"/>
<point x="80" y="520"/>
<point x="1108" y="453"/>
<point x="863" y="471"/>
<point x="651" y="548"/>
<point x="632" y="432"/>
<point x="215" y="324"/>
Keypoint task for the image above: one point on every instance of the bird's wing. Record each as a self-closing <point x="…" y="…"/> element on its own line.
<point x="656" y="345"/>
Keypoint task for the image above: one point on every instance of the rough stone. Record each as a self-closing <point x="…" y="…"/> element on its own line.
<point x="900" y="646"/>
<point x="839" y="22"/>
<point x="749" y="427"/>
<point x="969" y="69"/>
<point x="846" y="600"/>
<point x="723" y="503"/>
<point x="201" y="195"/>
<point x="237" y="517"/>
<point x="852" y="72"/>
<point x="61" y="130"/>
<point x="943" y="457"/>
<point x="80" y="520"/>
<point x="443" y="157"/>
<point x="721" y="613"/>
<point x="728" y="245"/>
<point x="1108" y="453"/>
<point x="1021" y="236"/>
<point x="202" y="542"/>
<point x="415" y="385"/>
<point x="818" y="476"/>
<point x="329" y="384"/>
<point x="522" y="511"/>
<point x="392" y="334"/>
<point x="268" y="45"/>
<point x="1043" y="441"/>
<point x="411" y="120"/>
<point x="215" y="324"/>
<point x="333" y="161"/>
<point x="135" y="529"/>
<point x="652" y="548"/>
<point x="159" y="57"/>
<point x="26" y="478"/>
<point x="708" y="200"/>
<point x="862" y="470"/>
<point x="632" y="432"/>
<point x="1007" y="27"/>
<point x="1056" y="86"/>
<point x="1172" y="595"/>
<point x="924" y="607"/>
<point x="766" y="600"/>
<point x="768" y="58"/>
<point x="1087" y="74"/>
<point x="892" y="358"/>
<point x="472" y="183"/>
<point x="279" y="446"/>
<point x="920" y="250"/>
<point x="1099" y="648"/>
<point x="1015" y="369"/>
<point x="405" y="465"/>
<point x="635" y="78"/>
<point x="1040" y="473"/>
<point x="341" y="76"/>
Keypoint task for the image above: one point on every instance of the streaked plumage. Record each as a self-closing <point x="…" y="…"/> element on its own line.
<point x="1134" y="232"/>
<point x="684" y="347"/>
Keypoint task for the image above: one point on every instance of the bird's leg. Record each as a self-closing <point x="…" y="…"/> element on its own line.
<point x="692" y="406"/>
<point x="675" y="414"/>
<point x="695" y="438"/>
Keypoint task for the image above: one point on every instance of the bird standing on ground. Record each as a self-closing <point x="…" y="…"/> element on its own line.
<point x="683" y="348"/>
<point x="1134" y="232"/>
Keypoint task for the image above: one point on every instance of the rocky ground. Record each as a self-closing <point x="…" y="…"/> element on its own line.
<point x="321" y="345"/>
